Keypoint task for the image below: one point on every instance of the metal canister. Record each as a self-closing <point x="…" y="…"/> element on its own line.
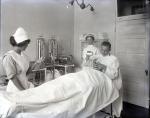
<point x="40" y="47"/>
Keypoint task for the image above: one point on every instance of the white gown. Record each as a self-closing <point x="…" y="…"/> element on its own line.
<point x="74" y="95"/>
<point x="113" y="72"/>
<point x="89" y="50"/>
<point x="15" y="64"/>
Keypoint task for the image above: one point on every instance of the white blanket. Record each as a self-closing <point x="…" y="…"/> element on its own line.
<point x="75" y="95"/>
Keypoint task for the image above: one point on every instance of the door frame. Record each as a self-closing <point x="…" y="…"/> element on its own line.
<point x="148" y="42"/>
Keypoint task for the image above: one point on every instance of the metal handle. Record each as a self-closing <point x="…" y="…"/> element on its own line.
<point x="146" y="72"/>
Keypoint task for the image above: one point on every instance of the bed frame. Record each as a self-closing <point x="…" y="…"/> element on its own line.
<point x="107" y="114"/>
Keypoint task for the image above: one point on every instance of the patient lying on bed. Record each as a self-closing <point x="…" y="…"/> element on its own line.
<point x="74" y="95"/>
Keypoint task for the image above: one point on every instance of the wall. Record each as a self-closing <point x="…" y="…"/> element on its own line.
<point x="37" y="17"/>
<point x="51" y="17"/>
<point x="100" y="21"/>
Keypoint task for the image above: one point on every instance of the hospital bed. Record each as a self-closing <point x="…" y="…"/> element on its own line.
<point x="41" y="75"/>
<point x="84" y="105"/>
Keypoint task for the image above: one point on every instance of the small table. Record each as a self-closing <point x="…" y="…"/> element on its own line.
<point x="41" y="73"/>
<point x="40" y="76"/>
<point x="64" y="68"/>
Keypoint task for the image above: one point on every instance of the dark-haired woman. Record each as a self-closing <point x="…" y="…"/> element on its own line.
<point x="16" y="63"/>
<point x="89" y="51"/>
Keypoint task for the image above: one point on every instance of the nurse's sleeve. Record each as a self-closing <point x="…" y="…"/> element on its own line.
<point x="9" y="66"/>
<point x="84" y="54"/>
<point x="112" y="71"/>
<point x="97" y="51"/>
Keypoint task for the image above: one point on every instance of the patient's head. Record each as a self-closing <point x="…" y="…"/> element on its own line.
<point x="105" y="48"/>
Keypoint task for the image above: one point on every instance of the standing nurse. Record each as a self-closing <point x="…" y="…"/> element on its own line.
<point x="16" y="63"/>
<point x="90" y="50"/>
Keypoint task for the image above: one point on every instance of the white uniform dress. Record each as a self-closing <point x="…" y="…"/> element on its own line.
<point x="15" y="64"/>
<point x="90" y="50"/>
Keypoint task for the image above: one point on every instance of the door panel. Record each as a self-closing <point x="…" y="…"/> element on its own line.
<point x="131" y="50"/>
<point x="129" y="60"/>
<point x="134" y="45"/>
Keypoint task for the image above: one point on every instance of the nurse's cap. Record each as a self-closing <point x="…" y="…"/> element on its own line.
<point x="20" y="35"/>
<point x="90" y="35"/>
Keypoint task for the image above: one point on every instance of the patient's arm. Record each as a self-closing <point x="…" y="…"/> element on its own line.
<point x="99" y="66"/>
<point x="113" y="70"/>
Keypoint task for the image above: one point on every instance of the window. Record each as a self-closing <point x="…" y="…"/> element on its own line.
<point x="131" y="7"/>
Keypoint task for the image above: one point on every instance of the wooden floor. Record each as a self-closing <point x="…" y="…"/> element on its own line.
<point x="134" y="111"/>
<point x="129" y="111"/>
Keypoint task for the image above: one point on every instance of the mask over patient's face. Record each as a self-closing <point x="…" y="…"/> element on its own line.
<point x="105" y="50"/>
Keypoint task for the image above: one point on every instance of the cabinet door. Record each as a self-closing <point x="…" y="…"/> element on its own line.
<point x="131" y="49"/>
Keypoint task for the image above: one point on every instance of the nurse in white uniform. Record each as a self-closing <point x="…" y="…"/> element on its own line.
<point x="16" y="63"/>
<point x="90" y="50"/>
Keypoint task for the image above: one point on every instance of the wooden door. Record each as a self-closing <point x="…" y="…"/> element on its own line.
<point x="131" y="49"/>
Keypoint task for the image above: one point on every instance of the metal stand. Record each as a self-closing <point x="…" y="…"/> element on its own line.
<point x="109" y="115"/>
<point x="41" y="76"/>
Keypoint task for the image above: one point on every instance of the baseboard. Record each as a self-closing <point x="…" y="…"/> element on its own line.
<point x="134" y="111"/>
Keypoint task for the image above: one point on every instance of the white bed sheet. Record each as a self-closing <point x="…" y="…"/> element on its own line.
<point x="75" y="95"/>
